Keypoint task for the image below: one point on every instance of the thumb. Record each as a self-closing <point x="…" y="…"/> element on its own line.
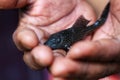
<point x="101" y="50"/>
<point x="10" y="4"/>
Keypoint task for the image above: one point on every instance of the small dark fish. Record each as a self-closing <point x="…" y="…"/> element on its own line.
<point x="64" y="39"/>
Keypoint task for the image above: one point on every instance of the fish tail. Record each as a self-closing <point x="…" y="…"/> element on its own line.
<point x="101" y="20"/>
<point x="105" y="12"/>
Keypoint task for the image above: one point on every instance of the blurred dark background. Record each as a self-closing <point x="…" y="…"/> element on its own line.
<point x="12" y="66"/>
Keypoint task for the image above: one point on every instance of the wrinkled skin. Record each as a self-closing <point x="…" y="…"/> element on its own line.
<point x="44" y="17"/>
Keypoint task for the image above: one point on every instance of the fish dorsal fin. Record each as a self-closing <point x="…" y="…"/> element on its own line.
<point x="81" y="22"/>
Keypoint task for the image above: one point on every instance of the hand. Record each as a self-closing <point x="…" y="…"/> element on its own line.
<point x="37" y="23"/>
<point x="4" y="4"/>
<point x="95" y="58"/>
<point x="41" y="18"/>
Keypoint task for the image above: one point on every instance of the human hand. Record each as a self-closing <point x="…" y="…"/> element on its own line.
<point x="38" y="20"/>
<point x="5" y="4"/>
<point x="95" y="58"/>
<point x="33" y="31"/>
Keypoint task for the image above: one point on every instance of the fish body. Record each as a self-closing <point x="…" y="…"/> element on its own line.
<point x="64" y="39"/>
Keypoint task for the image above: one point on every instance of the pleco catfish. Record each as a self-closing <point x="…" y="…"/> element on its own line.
<point x="64" y="39"/>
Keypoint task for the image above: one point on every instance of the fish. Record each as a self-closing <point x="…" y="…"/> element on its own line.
<point x="66" y="38"/>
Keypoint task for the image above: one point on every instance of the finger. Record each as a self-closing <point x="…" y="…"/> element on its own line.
<point x="66" y="68"/>
<point x="28" y="59"/>
<point x="59" y="53"/>
<point x="102" y="50"/>
<point x="9" y="4"/>
<point x="38" y="58"/>
<point x="42" y="55"/>
<point x="25" y="39"/>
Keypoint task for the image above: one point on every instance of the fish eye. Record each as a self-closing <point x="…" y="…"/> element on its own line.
<point x="55" y="40"/>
